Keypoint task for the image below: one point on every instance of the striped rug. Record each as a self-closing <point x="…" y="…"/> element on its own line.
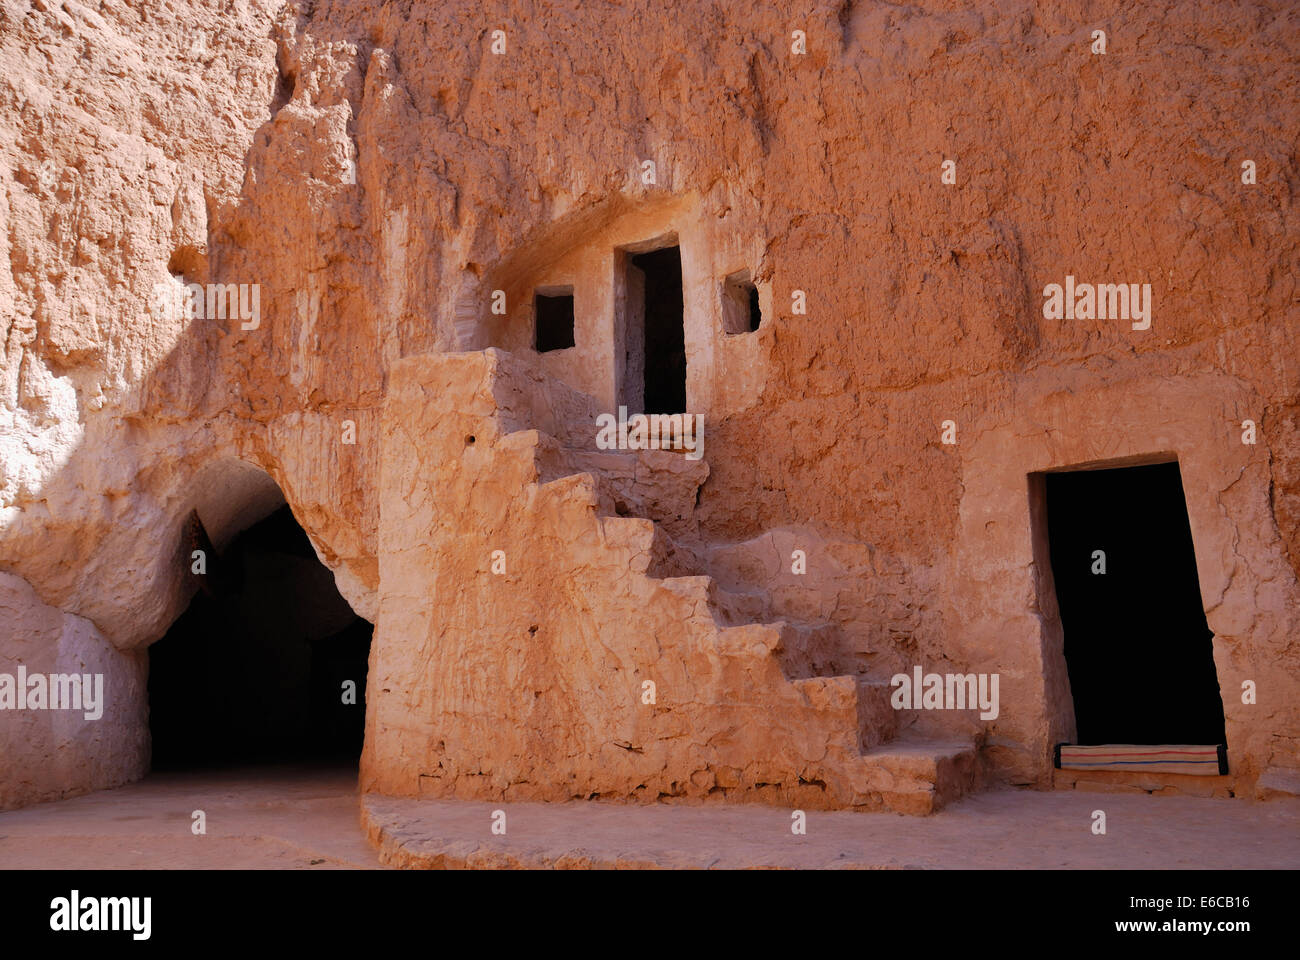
<point x="1210" y="761"/>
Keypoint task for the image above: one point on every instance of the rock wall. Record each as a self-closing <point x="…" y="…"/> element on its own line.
<point x="376" y="171"/>
<point x="51" y="753"/>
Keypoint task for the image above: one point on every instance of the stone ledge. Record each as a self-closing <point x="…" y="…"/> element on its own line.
<point x="1002" y="828"/>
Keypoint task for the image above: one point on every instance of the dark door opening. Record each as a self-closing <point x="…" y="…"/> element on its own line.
<point x="1137" y="644"/>
<point x="257" y="668"/>
<point x="665" y="335"/>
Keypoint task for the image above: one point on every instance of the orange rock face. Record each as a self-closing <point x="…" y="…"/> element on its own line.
<point x="898" y="186"/>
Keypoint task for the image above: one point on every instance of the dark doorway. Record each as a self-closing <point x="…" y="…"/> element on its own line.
<point x="665" y="336"/>
<point x="255" y="669"/>
<point x="1137" y="645"/>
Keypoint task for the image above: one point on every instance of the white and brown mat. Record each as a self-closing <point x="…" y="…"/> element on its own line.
<point x="1209" y="760"/>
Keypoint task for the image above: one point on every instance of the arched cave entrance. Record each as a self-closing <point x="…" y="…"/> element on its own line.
<point x="267" y="664"/>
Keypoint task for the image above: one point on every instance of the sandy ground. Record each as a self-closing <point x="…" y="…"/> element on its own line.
<point x="271" y="818"/>
<point x="310" y="819"/>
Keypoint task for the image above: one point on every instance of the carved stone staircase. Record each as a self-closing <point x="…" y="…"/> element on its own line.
<point x="646" y="500"/>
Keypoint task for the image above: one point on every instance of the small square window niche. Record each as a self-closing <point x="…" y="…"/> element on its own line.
<point x="553" y="318"/>
<point x="740" y="311"/>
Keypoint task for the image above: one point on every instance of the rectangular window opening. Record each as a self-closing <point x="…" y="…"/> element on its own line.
<point x="553" y="318"/>
<point x="740" y="310"/>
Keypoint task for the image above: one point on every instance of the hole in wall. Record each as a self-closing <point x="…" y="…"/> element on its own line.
<point x="286" y="81"/>
<point x="188" y="264"/>
<point x="553" y="319"/>
<point x="740" y="309"/>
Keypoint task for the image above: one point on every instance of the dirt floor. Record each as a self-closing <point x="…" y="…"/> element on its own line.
<point x="311" y="819"/>
<point x="261" y="818"/>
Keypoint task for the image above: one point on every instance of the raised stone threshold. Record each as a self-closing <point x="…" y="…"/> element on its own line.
<point x="1000" y="828"/>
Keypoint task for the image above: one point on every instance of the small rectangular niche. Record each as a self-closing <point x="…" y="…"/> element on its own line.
<point x="553" y="318"/>
<point x="740" y="310"/>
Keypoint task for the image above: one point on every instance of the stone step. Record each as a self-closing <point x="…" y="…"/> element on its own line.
<point x="734" y="607"/>
<point x="638" y="507"/>
<point x="1008" y="829"/>
<point x="657" y="484"/>
<point x="729" y="609"/>
<point x="548" y="454"/>
<point x="653" y="551"/>
<point x="877" y="719"/>
<point x="811" y="649"/>
<point x="918" y="777"/>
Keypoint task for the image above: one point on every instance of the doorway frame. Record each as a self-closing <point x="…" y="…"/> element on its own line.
<point x="1045" y="582"/>
<point x="629" y="320"/>
<point x="1065" y="418"/>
